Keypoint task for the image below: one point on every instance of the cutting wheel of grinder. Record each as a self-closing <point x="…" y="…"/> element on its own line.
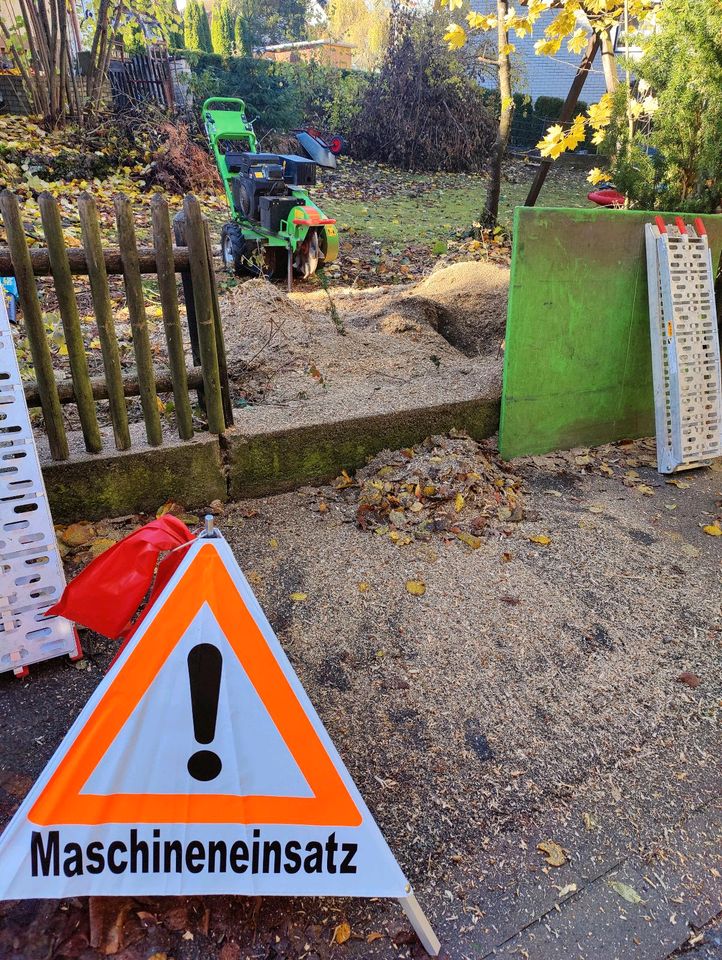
<point x="308" y="255"/>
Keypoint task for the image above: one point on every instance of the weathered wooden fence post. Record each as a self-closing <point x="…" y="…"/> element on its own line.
<point x="39" y="349"/>
<point x="138" y="319"/>
<point x="95" y="261"/>
<point x="68" y="307"/>
<point x="220" y="340"/>
<point x="202" y="295"/>
<point x="171" y="318"/>
<point x="179" y="234"/>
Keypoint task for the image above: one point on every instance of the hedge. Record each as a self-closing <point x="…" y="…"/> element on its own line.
<point x="282" y="96"/>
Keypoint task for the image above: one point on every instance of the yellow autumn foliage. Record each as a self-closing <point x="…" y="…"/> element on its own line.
<point x="572" y="22"/>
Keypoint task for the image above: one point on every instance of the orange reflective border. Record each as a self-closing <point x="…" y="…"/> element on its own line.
<point x="205" y="581"/>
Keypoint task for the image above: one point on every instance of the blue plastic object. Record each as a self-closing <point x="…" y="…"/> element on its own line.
<point x="10" y="287"/>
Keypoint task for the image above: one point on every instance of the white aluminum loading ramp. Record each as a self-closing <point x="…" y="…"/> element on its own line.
<point x="31" y="573"/>
<point x="685" y="345"/>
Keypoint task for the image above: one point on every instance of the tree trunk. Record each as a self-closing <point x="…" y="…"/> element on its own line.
<point x="566" y="115"/>
<point x="609" y="63"/>
<point x="491" y="208"/>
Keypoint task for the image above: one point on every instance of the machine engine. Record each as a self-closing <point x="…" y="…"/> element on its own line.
<point x="261" y="185"/>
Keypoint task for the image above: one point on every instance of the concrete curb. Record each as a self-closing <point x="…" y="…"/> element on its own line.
<point x="246" y="464"/>
<point x="138" y="480"/>
<point x="275" y="461"/>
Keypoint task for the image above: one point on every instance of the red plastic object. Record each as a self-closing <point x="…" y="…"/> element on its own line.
<point x="661" y="225"/>
<point x="681" y="226"/>
<point x="313" y="223"/>
<point x="106" y="595"/>
<point x="607" y="198"/>
<point x="336" y="145"/>
<point x="311" y="218"/>
<point x="700" y="227"/>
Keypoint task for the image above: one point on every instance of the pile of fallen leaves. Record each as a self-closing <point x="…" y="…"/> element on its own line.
<point x="447" y="486"/>
<point x="105" y="161"/>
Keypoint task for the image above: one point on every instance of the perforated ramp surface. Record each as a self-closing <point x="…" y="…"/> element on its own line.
<point x="685" y="347"/>
<point x="31" y="574"/>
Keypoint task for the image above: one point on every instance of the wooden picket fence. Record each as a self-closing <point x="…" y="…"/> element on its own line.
<point x="191" y="257"/>
<point x="141" y="79"/>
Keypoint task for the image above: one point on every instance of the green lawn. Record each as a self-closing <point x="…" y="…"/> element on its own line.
<point x="404" y="209"/>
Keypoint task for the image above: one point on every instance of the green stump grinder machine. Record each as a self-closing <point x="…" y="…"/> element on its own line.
<point x="276" y="230"/>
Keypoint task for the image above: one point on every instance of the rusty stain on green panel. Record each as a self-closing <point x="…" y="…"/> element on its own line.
<point x="577" y="363"/>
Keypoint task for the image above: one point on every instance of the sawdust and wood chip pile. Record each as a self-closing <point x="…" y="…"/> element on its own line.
<point x="363" y="350"/>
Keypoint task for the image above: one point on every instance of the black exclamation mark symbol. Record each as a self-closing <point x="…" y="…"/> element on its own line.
<point x="204" y="673"/>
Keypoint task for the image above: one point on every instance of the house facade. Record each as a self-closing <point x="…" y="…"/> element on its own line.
<point x="540" y="76"/>
<point x="329" y="53"/>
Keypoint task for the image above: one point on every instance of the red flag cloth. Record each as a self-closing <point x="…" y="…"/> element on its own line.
<point x="109" y="591"/>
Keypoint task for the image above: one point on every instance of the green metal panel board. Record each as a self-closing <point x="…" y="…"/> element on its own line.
<point x="577" y="363"/>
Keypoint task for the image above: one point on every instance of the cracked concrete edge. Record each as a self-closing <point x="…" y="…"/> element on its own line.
<point x="280" y="460"/>
<point x="245" y="464"/>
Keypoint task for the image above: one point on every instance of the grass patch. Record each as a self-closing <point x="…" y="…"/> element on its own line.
<point x="432" y="216"/>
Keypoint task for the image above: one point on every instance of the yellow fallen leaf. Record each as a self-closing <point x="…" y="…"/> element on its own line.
<point x="680" y="484"/>
<point x="254" y="577"/>
<point x="596" y="509"/>
<point x="343" y="481"/>
<point x="78" y="534"/>
<point x="645" y="489"/>
<point x="458" y="503"/>
<point x="416" y="588"/>
<point x="625" y="891"/>
<point x="363" y="587"/>
<point x="541" y="538"/>
<point x="470" y="540"/>
<point x="100" y="545"/>
<point x="273" y="543"/>
<point x="713" y="529"/>
<point x="553" y="853"/>
<point x="374" y="935"/>
<point x="299" y="596"/>
<point x="342" y="932"/>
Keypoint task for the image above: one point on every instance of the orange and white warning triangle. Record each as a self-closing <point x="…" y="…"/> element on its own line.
<point x="199" y="766"/>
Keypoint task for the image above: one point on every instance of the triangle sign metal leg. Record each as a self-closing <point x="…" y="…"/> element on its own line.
<point x="421" y="925"/>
